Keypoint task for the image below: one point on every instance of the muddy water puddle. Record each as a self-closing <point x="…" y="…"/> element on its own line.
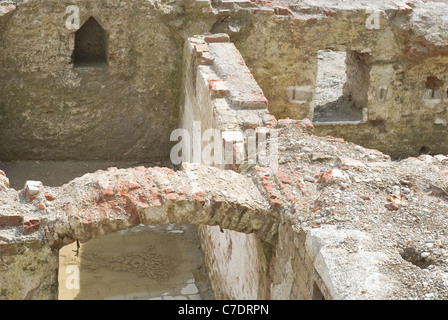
<point x="145" y="262"/>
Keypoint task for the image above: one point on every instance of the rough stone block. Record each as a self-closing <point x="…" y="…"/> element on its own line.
<point x="334" y="177"/>
<point x="4" y="181"/>
<point x="218" y="88"/>
<point x="31" y="188"/>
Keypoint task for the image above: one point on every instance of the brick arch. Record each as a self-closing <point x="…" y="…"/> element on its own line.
<point x="107" y="201"/>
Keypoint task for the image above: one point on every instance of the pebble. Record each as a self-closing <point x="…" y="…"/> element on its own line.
<point x="308" y="178"/>
<point x="406" y="190"/>
<point x="189" y="289"/>
<point x="306" y="149"/>
<point x="429" y="296"/>
<point x="359" y="149"/>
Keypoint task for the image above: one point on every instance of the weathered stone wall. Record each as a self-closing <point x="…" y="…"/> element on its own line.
<point x="51" y="110"/>
<point x="28" y="271"/>
<point x="219" y="96"/>
<point x="135" y="100"/>
<point x="218" y="91"/>
<point x="358" y="76"/>
<point x="234" y="262"/>
<point x="402" y="46"/>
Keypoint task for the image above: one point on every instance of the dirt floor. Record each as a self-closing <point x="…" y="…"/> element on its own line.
<point x="57" y="173"/>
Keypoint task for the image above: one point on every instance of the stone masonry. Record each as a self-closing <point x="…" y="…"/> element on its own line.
<point x="331" y="220"/>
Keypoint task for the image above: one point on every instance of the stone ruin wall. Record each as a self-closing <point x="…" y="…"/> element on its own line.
<point x="399" y="59"/>
<point x="47" y="106"/>
<point x="263" y="276"/>
<point x="401" y="52"/>
<point x="222" y="94"/>
<point x="51" y="110"/>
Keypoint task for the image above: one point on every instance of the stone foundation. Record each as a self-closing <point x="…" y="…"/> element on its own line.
<point x="182" y="66"/>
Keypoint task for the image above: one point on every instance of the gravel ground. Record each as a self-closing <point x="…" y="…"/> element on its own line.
<point x="402" y="204"/>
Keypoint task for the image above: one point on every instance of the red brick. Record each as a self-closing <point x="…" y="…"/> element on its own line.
<point x="169" y="194"/>
<point x="108" y="192"/>
<point x="31" y="225"/>
<point x="130" y="209"/>
<point x="285" y="185"/>
<point x="201" y="48"/>
<point x="11" y="221"/>
<point x="49" y="197"/>
<point x="259" y="97"/>
<point x="282" y="11"/>
<point x="329" y="13"/>
<point x="133" y="185"/>
<point x="217" y="38"/>
<point x="141" y="200"/>
<point x="102" y="210"/>
<point x="114" y="207"/>
<point x="275" y="202"/>
<point x="282" y="177"/>
<point x="198" y="196"/>
<point x="87" y="216"/>
<point x="218" y="88"/>
<point x="270" y="123"/>
<point x="274" y="195"/>
<point x="133" y="181"/>
<point x="156" y="197"/>
<point x="154" y="194"/>
<point x="285" y="122"/>
<point x="122" y="187"/>
<point x="10" y="248"/>
<point x="300" y="183"/>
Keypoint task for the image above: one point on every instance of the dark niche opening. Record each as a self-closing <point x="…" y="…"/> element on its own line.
<point x="90" y="45"/>
<point x="341" y="86"/>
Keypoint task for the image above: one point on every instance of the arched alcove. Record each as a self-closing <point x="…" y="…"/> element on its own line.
<point x="90" y="45"/>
